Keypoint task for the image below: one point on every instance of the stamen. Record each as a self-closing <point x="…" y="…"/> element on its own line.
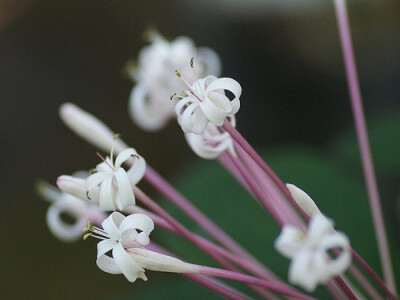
<point x="172" y="96"/>
<point x="87" y="195"/>
<point x="102" y="158"/>
<point x="135" y="155"/>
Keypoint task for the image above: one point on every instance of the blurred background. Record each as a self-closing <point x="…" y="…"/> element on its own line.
<point x="285" y="54"/>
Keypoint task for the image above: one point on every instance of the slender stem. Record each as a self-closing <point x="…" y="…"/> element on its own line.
<point x="175" y="197"/>
<point x="362" y="136"/>
<point x="209" y="283"/>
<point x="209" y="248"/>
<point x="241" y="141"/>
<point x="274" y="286"/>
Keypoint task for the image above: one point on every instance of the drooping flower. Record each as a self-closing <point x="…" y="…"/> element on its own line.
<point x="211" y="142"/>
<point x="126" y="238"/>
<point x="149" y="103"/>
<point x="112" y="183"/>
<point x="65" y="205"/>
<point x="311" y="261"/>
<point x="206" y="102"/>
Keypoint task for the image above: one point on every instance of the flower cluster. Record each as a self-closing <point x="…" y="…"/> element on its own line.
<point x="205" y="110"/>
<point x="148" y="105"/>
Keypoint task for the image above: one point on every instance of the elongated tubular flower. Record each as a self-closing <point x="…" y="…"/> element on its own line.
<point x="311" y="263"/>
<point x="149" y="106"/>
<point x="114" y="183"/>
<point x="211" y="142"/>
<point x="66" y="204"/>
<point x="126" y="237"/>
<point x="206" y="101"/>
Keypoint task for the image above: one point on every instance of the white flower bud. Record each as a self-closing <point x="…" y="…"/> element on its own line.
<point x="303" y="200"/>
<point x="90" y="128"/>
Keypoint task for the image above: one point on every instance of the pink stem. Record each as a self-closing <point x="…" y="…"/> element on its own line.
<point x="207" y="247"/>
<point x="208" y="271"/>
<point x="358" y="113"/>
<point x="175" y="197"/>
<point x="209" y="283"/>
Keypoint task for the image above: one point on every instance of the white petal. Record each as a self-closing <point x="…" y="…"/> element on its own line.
<point x="127" y="265"/>
<point x="147" y="114"/>
<point x="338" y="265"/>
<point x="104" y="246"/>
<point x="290" y="241"/>
<point x="137" y="171"/>
<point x="124" y="156"/>
<point x="112" y="223"/>
<point x="95" y="179"/>
<point x="125" y="192"/>
<point x="216" y="107"/>
<point x="138" y="221"/>
<point x="108" y="265"/>
<point x="62" y="230"/>
<point x="211" y="61"/>
<point x="306" y="270"/>
<point x="226" y="84"/>
<point x="317" y="228"/>
<point x="107" y="201"/>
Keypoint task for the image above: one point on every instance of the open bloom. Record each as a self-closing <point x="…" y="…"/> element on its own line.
<point x="149" y="103"/>
<point x="126" y="237"/>
<point x="211" y="142"/>
<point x="311" y="262"/>
<point x="62" y="205"/>
<point x="118" y="233"/>
<point x="112" y="183"/>
<point x="206" y="102"/>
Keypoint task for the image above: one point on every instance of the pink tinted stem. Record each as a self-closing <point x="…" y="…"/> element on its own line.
<point x="362" y="136"/>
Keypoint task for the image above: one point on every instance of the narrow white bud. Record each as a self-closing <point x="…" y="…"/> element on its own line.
<point x="303" y="200"/>
<point x="155" y="261"/>
<point x="76" y="187"/>
<point x="90" y="128"/>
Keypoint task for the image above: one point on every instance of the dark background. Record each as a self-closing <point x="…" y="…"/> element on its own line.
<point x="286" y="57"/>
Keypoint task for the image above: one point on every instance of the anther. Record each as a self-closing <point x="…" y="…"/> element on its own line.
<point x="191" y="62"/>
<point x="116" y="136"/>
<point x="87" y="195"/>
<point x="177" y="73"/>
<point x="172" y="96"/>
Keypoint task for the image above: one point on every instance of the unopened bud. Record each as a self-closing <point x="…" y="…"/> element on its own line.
<point x="303" y="200"/>
<point x="90" y="128"/>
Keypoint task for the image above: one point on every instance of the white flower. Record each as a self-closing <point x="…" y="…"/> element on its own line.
<point x="211" y="142"/>
<point x="113" y="183"/>
<point x="311" y="263"/>
<point x="126" y="237"/>
<point x="64" y="204"/>
<point x="149" y="103"/>
<point x="118" y="233"/>
<point x="206" y="101"/>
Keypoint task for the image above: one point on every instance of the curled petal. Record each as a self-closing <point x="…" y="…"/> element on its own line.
<point x="112" y="223"/>
<point x="216" y="107"/>
<point x="137" y="171"/>
<point x="147" y="114"/>
<point x="95" y="179"/>
<point x="127" y="265"/>
<point x="124" y="156"/>
<point x="342" y="261"/>
<point x="104" y="246"/>
<point x="62" y="230"/>
<point x="139" y="222"/>
<point x="318" y="227"/>
<point x="108" y="265"/>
